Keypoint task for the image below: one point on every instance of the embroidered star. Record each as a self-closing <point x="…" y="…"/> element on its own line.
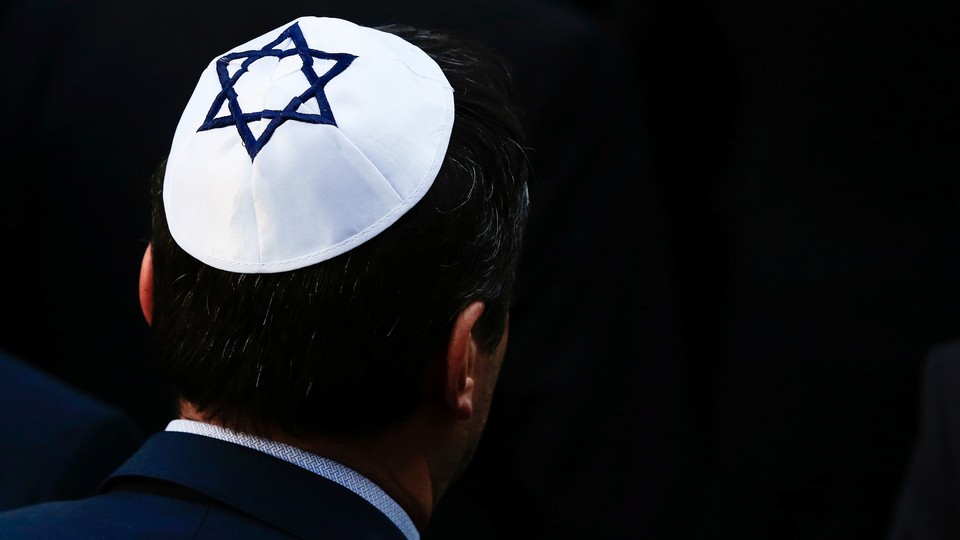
<point x="237" y="117"/>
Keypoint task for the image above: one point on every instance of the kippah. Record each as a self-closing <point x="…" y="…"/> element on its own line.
<point x="304" y="143"/>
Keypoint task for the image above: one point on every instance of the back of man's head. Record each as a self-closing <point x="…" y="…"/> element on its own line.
<point x="344" y="345"/>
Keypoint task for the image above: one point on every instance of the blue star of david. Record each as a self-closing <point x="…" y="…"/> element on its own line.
<point x="241" y="119"/>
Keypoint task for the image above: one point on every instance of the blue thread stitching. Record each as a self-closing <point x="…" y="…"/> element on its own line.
<point x="241" y="119"/>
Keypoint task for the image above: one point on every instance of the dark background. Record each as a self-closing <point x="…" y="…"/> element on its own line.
<point x="744" y="240"/>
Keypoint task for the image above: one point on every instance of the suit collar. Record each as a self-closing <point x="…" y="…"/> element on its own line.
<point x="284" y="495"/>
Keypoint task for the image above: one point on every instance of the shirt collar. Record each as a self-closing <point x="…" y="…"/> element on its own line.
<point x="327" y="468"/>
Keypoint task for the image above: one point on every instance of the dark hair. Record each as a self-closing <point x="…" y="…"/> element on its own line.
<point x="343" y="345"/>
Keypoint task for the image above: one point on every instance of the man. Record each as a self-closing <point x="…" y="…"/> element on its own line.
<point x="336" y="231"/>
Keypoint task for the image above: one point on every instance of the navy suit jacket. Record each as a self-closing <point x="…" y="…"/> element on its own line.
<point x="181" y="485"/>
<point x="929" y="504"/>
<point x="56" y="442"/>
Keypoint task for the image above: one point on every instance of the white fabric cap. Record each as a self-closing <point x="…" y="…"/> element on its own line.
<point x="304" y="143"/>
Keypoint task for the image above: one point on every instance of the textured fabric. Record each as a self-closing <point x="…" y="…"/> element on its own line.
<point x="326" y="468"/>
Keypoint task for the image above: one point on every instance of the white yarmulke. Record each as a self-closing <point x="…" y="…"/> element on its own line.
<point x="304" y="143"/>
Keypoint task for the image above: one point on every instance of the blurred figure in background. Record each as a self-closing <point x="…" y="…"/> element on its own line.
<point x="928" y="507"/>
<point x="56" y="442"/>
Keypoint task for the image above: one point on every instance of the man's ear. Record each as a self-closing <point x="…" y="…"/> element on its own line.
<point x="461" y="363"/>
<point x="146" y="284"/>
